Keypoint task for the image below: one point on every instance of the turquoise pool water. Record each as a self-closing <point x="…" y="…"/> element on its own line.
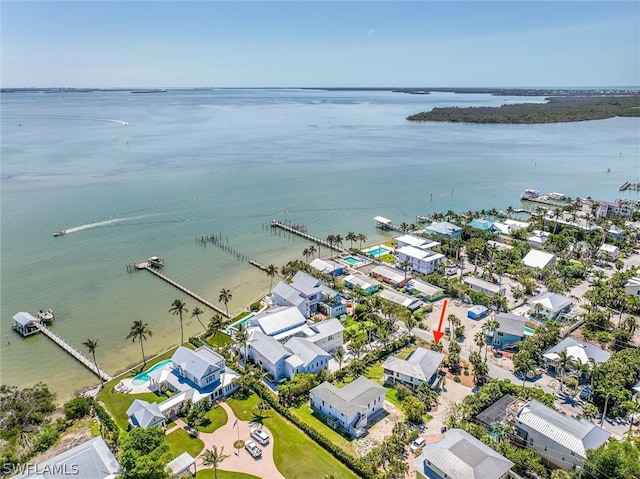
<point x="143" y="377"/>
<point x="379" y="251"/>
<point x="244" y="321"/>
<point x="528" y="330"/>
<point x="351" y="260"/>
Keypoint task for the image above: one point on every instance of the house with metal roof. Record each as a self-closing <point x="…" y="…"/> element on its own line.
<point x="510" y="331"/>
<point x="327" y="266"/>
<point x="281" y="319"/>
<point x="416" y="242"/>
<point x="561" y="441"/>
<point x="579" y="351"/>
<point x="460" y="455"/>
<point x="328" y="334"/>
<point x="421" y="366"/>
<point x="305" y="357"/>
<point x="482" y="286"/>
<point x="538" y="238"/>
<point x="445" y="229"/>
<point x="421" y="260"/>
<point x="425" y="291"/>
<point x="392" y="276"/>
<point x="92" y="459"/>
<point x="351" y="407"/>
<point x="268" y="353"/>
<point x="536" y="258"/>
<point x="410" y="302"/>
<point x="480" y="224"/>
<point x="306" y="292"/>
<point x="608" y="252"/>
<point x="144" y="414"/>
<point x="360" y="281"/>
<point x="632" y="288"/>
<point x="552" y="306"/>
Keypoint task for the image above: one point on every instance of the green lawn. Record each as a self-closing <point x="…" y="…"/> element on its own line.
<point x="305" y="413"/>
<point x="310" y="461"/>
<point x="208" y="474"/>
<point x="181" y="441"/>
<point x="219" y="340"/>
<point x="217" y="417"/>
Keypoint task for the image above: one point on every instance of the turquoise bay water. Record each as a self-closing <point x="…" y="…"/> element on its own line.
<point x="190" y="163"/>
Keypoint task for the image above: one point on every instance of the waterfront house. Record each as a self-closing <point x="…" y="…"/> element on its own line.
<point x="480" y="224"/>
<point x="536" y="258"/>
<point x="268" y="353"/>
<point x="358" y="281"/>
<point x="421" y="260"/>
<point x="444" y="229"/>
<point x="561" y="441"/>
<point x="426" y="291"/>
<point x="482" y="286"/>
<point x="553" y="306"/>
<point x="410" y="302"/>
<point x="606" y="209"/>
<point x="421" y="366"/>
<point x="632" y="287"/>
<point x="332" y="304"/>
<point x="328" y="335"/>
<point x="510" y="331"/>
<point x="392" y="276"/>
<point x="304" y="292"/>
<point x="144" y="414"/>
<point x="327" y="266"/>
<point x="281" y="322"/>
<point x="351" y="407"/>
<point x="416" y="242"/>
<point x="578" y="351"/>
<point x="91" y="459"/>
<point x="459" y="455"/>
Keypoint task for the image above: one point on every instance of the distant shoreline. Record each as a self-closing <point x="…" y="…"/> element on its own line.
<point x="559" y="109"/>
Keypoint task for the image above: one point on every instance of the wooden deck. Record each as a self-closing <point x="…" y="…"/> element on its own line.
<point x="145" y="265"/>
<point x="73" y="351"/>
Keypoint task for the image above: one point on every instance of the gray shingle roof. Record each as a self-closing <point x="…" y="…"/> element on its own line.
<point x="197" y="362"/>
<point x="144" y="414"/>
<point x="352" y="397"/>
<point x="511" y="324"/>
<point x="460" y="455"/>
<point x="422" y="364"/>
<point x="305" y="350"/>
<point x="576" y="435"/>
<point x="268" y="347"/>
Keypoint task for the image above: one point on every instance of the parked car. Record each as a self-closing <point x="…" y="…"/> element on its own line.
<point x="584" y="394"/>
<point x="417" y="444"/>
<point x="260" y="436"/>
<point x="253" y="448"/>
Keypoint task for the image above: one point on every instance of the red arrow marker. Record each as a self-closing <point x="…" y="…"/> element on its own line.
<point x="437" y="334"/>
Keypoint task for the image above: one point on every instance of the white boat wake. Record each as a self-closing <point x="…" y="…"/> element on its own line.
<point x="100" y="223"/>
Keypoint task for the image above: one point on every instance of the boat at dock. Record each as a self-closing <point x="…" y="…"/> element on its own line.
<point x="530" y="194"/>
<point x="60" y="233"/>
<point x="46" y="315"/>
<point x="156" y="262"/>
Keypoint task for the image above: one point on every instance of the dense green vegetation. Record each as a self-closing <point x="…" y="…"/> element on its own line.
<point x="558" y="109"/>
<point x="144" y="454"/>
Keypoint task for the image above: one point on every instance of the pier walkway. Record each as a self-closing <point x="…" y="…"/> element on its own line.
<point x="146" y="265"/>
<point x="302" y="231"/>
<point x="73" y="351"/>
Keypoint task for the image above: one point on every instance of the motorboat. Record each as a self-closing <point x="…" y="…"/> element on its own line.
<point x="60" y="233"/>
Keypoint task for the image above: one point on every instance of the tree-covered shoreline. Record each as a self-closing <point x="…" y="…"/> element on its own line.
<point x="556" y="110"/>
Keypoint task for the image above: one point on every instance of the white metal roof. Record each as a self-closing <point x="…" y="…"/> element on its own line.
<point x="277" y="320"/>
<point x="481" y="283"/>
<point x="538" y="259"/>
<point x="389" y="273"/>
<point x="382" y="219"/>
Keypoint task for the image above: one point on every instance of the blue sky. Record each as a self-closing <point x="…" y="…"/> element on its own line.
<point x="330" y="43"/>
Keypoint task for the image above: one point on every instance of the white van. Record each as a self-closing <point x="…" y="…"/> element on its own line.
<point x="260" y="436"/>
<point x="417" y="444"/>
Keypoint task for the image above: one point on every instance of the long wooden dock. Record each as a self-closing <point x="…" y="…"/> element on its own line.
<point x="300" y="230"/>
<point x="206" y="302"/>
<point x="73" y="351"/>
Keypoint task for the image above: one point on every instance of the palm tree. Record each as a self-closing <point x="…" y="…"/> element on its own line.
<point x="215" y="324"/>
<point x="91" y="345"/>
<point x="331" y="239"/>
<point x="242" y="339"/>
<point x="271" y="271"/>
<point x="563" y="362"/>
<point x="225" y="297"/>
<point x="140" y="332"/>
<point x="338" y="355"/>
<point x="351" y="236"/>
<point x="405" y="264"/>
<point x="179" y="307"/>
<point x="489" y="329"/>
<point x="338" y="240"/>
<point x="361" y="237"/>
<point x="312" y="250"/>
<point x="197" y="312"/>
<point x="212" y="457"/>
<point x="306" y="254"/>
<point x="480" y="339"/>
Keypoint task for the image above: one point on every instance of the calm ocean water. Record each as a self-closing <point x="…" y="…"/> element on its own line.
<point x="189" y="163"/>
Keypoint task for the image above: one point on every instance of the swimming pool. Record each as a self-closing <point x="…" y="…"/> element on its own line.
<point x="379" y="251"/>
<point x="528" y="331"/>
<point x="351" y="260"/>
<point x="143" y="377"/>
<point x="244" y="321"/>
